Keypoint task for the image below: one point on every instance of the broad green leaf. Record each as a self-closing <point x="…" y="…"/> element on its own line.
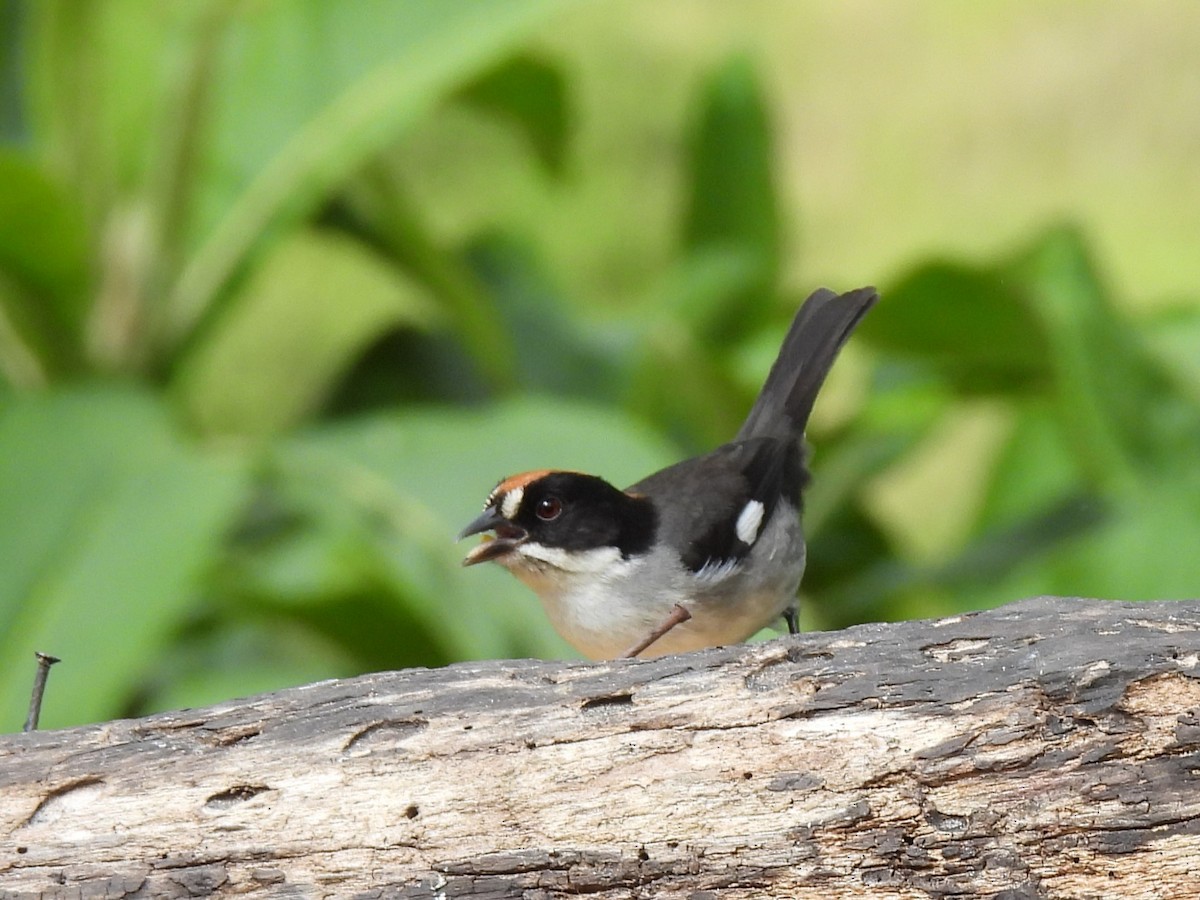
<point x="305" y="93"/>
<point x="1145" y="551"/>
<point x="100" y="87"/>
<point x="1035" y="467"/>
<point x="419" y="477"/>
<point x="1174" y="338"/>
<point x="732" y="205"/>
<point x="44" y="257"/>
<point x="110" y="520"/>
<point x="292" y="329"/>
<point x="554" y="353"/>
<point x="20" y="364"/>
<point x="12" y="124"/>
<point x="850" y="573"/>
<point x="1138" y="547"/>
<point x="43" y="239"/>
<point x="380" y="205"/>
<point x="697" y="289"/>
<point x="684" y="387"/>
<point x="320" y="550"/>
<point x="971" y="324"/>
<point x="841" y="472"/>
<point x="997" y="566"/>
<point x="929" y="501"/>
<point x="240" y="658"/>
<point x="531" y="93"/>
<point x="1106" y="383"/>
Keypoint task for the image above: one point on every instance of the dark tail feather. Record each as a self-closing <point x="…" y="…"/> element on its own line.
<point x="818" y="332"/>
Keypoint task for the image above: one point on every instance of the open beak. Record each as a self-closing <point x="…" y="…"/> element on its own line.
<point x="507" y="537"/>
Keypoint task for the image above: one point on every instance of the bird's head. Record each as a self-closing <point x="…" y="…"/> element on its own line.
<point x="562" y="520"/>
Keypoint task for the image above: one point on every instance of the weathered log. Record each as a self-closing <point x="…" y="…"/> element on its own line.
<point x="1050" y="748"/>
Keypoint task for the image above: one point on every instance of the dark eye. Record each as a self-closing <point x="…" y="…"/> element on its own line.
<point x="548" y="509"/>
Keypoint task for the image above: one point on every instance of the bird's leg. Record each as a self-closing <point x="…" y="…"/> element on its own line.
<point x="677" y="616"/>
<point x="793" y="621"/>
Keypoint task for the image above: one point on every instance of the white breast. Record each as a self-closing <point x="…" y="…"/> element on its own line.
<point x="603" y="604"/>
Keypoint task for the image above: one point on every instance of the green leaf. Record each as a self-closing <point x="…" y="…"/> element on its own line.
<point x="20" y="364"/>
<point x="970" y="323"/>
<point x="44" y="257"/>
<point x="732" y="205"/>
<point x="1146" y="551"/>
<point x="842" y="471"/>
<point x="12" y="125"/>
<point x="1137" y="547"/>
<point x="929" y="501"/>
<point x="531" y="94"/>
<point x="697" y="289"/>
<point x="1035" y="467"/>
<point x="291" y="331"/>
<point x="415" y="479"/>
<point x="554" y="353"/>
<point x="118" y="519"/>
<point x="380" y="205"/>
<point x="1042" y="325"/>
<point x="332" y="84"/>
<point x="1106" y="385"/>
<point x="682" y="385"/>
<point x="98" y="89"/>
<point x="1173" y="338"/>
<point x="241" y="658"/>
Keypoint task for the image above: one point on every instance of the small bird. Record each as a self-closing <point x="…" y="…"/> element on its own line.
<point x="704" y="552"/>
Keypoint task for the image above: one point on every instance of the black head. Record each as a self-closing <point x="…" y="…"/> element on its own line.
<point x="566" y="511"/>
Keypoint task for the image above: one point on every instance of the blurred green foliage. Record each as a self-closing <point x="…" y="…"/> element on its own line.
<point x="250" y="390"/>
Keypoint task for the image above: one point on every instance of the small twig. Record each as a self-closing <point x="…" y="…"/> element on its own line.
<point x="678" y="616"/>
<point x="45" y="661"/>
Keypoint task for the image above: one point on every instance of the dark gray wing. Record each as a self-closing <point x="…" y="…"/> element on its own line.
<point x="708" y="494"/>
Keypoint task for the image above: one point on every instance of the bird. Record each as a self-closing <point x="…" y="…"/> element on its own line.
<point x="703" y="553"/>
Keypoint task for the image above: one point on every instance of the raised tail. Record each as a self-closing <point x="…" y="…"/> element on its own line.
<point x="818" y="332"/>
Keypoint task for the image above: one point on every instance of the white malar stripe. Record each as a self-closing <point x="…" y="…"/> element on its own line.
<point x="597" y="561"/>
<point x="749" y="521"/>
<point x="512" y="503"/>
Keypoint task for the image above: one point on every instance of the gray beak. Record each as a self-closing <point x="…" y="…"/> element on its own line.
<point x="487" y="521"/>
<point x="507" y="537"/>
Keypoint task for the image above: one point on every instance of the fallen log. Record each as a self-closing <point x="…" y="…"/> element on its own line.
<point x="1050" y="748"/>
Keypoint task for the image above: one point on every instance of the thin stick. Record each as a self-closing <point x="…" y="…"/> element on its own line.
<point x="678" y="616"/>
<point x="45" y="661"/>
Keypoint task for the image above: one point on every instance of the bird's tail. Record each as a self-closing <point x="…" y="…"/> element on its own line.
<point x="818" y="332"/>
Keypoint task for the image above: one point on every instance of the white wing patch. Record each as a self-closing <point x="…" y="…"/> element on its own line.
<point x="512" y="502"/>
<point x="749" y="521"/>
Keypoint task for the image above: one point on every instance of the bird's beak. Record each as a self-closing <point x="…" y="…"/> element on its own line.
<point x="506" y="538"/>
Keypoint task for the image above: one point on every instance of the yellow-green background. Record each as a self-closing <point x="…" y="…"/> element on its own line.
<point x="286" y="286"/>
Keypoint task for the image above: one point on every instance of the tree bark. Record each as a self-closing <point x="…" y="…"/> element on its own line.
<point x="1050" y="748"/>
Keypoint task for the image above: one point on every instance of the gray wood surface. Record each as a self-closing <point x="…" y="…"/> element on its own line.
<point x="1050" y="748"/>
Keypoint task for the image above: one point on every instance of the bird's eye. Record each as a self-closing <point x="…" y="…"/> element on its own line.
<point x="548" y="509"/>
